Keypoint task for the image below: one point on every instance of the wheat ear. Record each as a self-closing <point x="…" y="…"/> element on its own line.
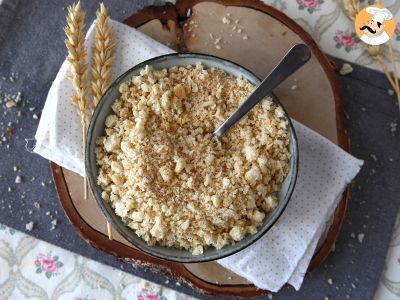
<point x="351" y="8"/>
<point x="103" y="57"/>
<point x="75" y="43"/>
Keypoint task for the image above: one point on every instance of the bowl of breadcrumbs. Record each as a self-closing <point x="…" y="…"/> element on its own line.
<point x="161" y="178"/>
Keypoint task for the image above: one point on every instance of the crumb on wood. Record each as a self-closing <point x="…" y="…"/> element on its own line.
<point x="226" y="20"/>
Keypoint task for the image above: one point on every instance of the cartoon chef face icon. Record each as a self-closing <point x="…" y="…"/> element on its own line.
<point x="374" y="30"/>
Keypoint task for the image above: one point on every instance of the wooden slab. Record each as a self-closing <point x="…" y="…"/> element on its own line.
<point x="310" y="96"/>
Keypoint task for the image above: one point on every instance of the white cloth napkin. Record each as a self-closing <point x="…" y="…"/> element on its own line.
<point x="284" y="253"/>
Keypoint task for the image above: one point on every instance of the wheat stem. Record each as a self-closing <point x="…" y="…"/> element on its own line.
<point x="395" y="72"/>
<point x="103" y="57"/>
<point x="75" y="43"/>
<point x="385" y="70"/>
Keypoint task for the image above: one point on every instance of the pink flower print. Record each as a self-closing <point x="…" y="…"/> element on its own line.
<point x="345" y="40"/>
<point x="47" y="264"/>
<point x="150" y="294"/>
<point x="309" y="5"/>
<point x="397" y="31"/>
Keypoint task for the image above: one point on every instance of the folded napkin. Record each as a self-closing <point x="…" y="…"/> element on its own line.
<point x="280" y="256"/>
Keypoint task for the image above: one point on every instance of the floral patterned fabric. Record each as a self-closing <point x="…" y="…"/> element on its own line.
<point x="30" y="268"/>
<point x="327" y="23"/>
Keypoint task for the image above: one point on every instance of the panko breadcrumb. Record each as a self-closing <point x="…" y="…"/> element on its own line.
<point x="170" y="179"/>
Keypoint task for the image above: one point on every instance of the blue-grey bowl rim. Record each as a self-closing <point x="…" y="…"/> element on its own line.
<point x="148" y="249"/>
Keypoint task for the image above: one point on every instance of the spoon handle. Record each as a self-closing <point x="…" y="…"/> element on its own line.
<point x="290" y="63"/>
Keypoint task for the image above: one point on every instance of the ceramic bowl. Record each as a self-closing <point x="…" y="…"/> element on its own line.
<point x="96" y="129"/>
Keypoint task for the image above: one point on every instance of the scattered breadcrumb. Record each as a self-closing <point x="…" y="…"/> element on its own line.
<point x="18" y="179"/>
<point x="373" y="156"/>
<point x="226" y="20"/>
<point x="293" y="87"/>
<point x="326" y="298"/>
<point x="360" y="237"/>
<point x="36" y="204"/>
<point x="218" y="47"/>
<point x="330" y="281"/>
<point x="353" y="235"/>
<point x="239" y="30"/>
<point x="346" y="69"/>
<point x="245" y="37"/>
<point x="35" y="116"/>
<point x="178" y="283"/>
<point x="15" y="168"/>
<point x="162" y="170"/>
<point x="10" y="104"/>
<point x="269" y="296"/>
<point x="29" y="226"/>
<point x="353" y="285"/>
<point x="390" y="92"/>
<point x="9" y="189"/>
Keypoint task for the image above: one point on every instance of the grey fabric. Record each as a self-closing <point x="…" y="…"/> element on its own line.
<point x="8" y="9"/>
<point x="33" y="49"/>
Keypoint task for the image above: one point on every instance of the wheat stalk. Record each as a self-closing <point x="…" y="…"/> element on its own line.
<point x="351" y="8"/>
<point x="103" y="55"/>
<point x="75" y="43"/>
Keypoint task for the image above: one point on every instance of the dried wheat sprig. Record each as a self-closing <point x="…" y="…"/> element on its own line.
<point x="351" y="8"/>
<point x="75" y="43"/>
<point x="395" y="72"/>
<point x="103" y="55"/>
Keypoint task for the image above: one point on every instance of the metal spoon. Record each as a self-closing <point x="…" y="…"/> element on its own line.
<point x="290" y="63"/>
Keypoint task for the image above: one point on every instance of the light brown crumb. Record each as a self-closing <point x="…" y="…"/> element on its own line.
<point x="29" y="226"/>
<point x="245" y="37"/>
<point x="346" y="69"/>
<point x="293" y="87"/>
<point x="18" y="179"/>
<point x="360" y="237"/>
<point x="10" y="104"/>
<point x="174" y="183"/>
<point x="218" y="47"/>
<point x="226" y="20"/>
